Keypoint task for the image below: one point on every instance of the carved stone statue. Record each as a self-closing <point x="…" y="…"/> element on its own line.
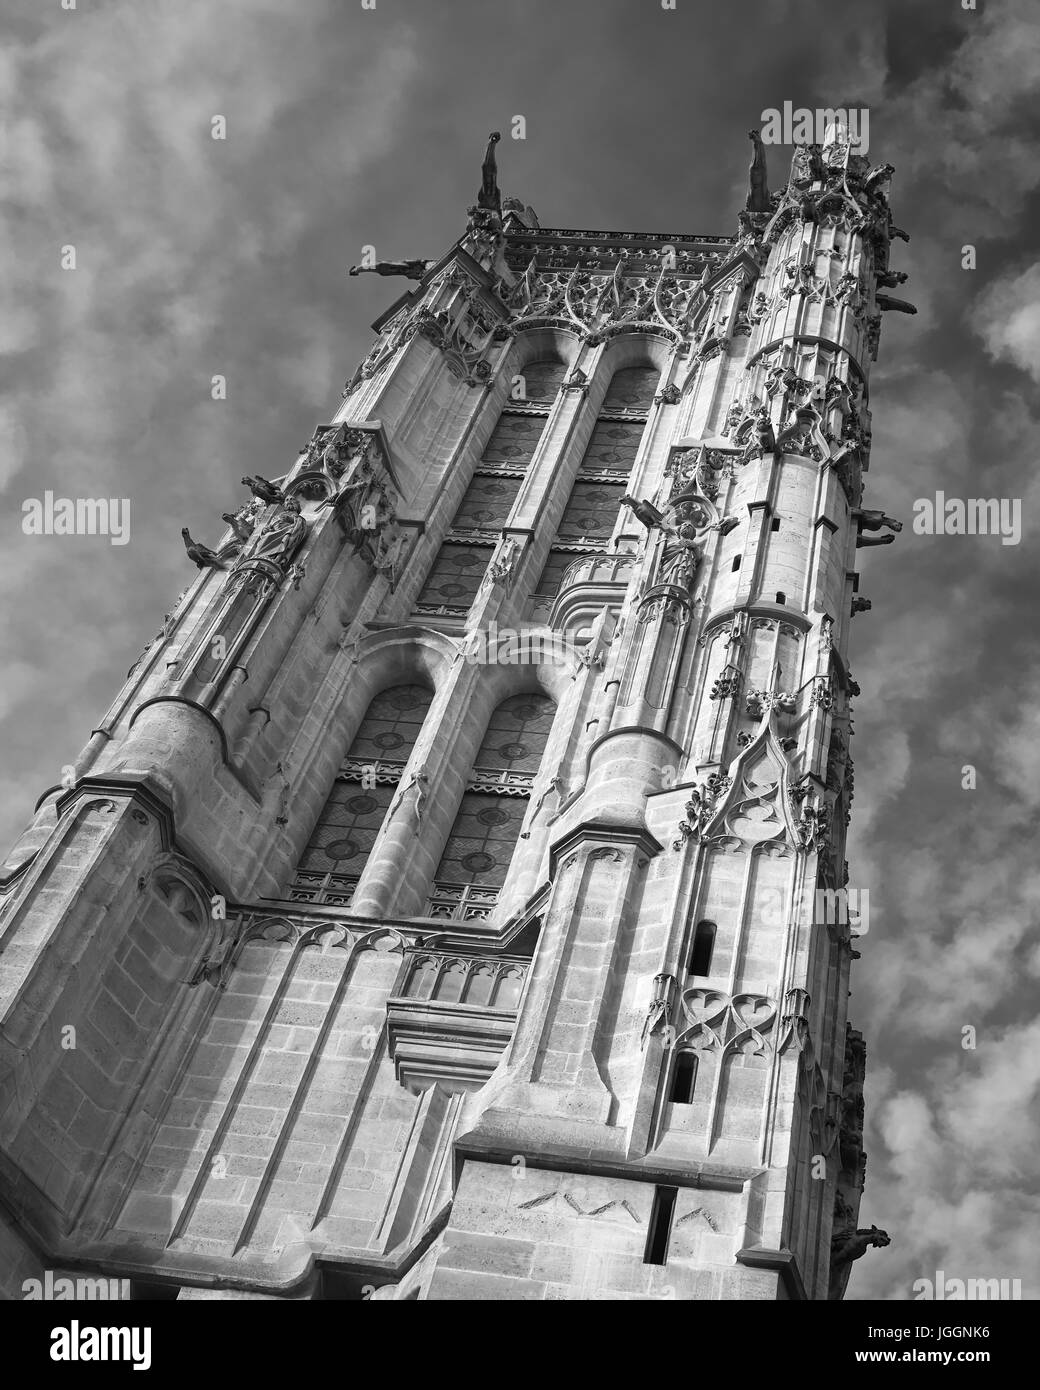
<point x="797" y="437"/>
<point x="758" y="190"/>
<point x="763" y="431"/>
<point x="681" y="553"/>
<point x="878" y="176"/>
<point x="421" y="782"/>
<point x="659" y="1008"/>
<point x="680" y="557"/>
<point x="489" y="197"/>
<point x="388" y="552"/>
<point x="500" y="568"/>
<point x="280" y="538"/>
<point x="701" y="807"/>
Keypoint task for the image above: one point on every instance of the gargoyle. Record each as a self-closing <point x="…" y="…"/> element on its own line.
<point x="847" y="1246"/>
<point x="872" y="519"/>
<point x="201" y="555"/>
<point x="411" y="270"/>
<point x="645" y="512"/>
<point x="266" y="491"/>
<point x="862" y="541"/>
<point x="901" y="306"/>
<point x="851" y="1245"/>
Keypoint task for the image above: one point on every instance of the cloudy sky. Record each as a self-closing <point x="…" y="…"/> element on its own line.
<point x="347" y="126"/>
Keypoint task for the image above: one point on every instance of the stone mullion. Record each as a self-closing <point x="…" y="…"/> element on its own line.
<point x="525" y="873"/>
<point x="550" y="477"/>
<point x="399" y="872"/>
<point x="645" y="475"/>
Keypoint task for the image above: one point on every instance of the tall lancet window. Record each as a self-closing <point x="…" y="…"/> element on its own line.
<point x="331" y="865"/>
<point x="480" y="847"/>
<point x="592" y="507"/>
<point x="454" y="580"/>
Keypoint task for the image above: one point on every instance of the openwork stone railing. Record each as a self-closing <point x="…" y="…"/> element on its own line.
<point x="442" y="610"/>
<point x="462" y="902"/>
<point x="383" y="770"/>
<point x="597" y="569"/>
<point x="336" y="890"/>
<point x="501" y="779"/>
<point x="588" y="585"/>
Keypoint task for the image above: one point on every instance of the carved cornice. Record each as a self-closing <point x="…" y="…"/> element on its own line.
<point x="601" y="833"/>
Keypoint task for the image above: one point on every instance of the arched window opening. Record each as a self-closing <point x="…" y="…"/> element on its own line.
<point x="507" y="991"/>
<point x="542" y="380"/>
<point x="365" y="785"/>
<point x="592" y="508"/>
<point x="631" y="390"/>
<point x="455" y="577"/>
<point x="479" y="986"/>
<point x="451" y="983"/>
<point x="701" y="951"/>
<point x="480" y="847"/>
<point x="421" y="979"/>
<point x="684" y="1079"/>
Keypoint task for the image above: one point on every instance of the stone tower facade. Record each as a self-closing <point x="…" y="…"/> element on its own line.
<point x="436" y="912"/>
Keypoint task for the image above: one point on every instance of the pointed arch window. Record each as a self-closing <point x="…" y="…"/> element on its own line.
<point x="631" y="390"/>
<point x="454" y="580"/>
<point x="365" y="785"/>
<point x="542" y="380"/>
<point x="483" y="838"/>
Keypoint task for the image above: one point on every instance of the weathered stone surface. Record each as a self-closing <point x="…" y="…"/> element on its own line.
<point x="284" y="981"/>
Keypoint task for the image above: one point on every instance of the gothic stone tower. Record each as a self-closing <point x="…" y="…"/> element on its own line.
<point x="435" y="912"/>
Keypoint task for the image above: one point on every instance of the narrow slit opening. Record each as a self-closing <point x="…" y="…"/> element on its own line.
<point x="684" y="1079"/>
<point x="701" y="951"/>
<point x="660" y="1226"/>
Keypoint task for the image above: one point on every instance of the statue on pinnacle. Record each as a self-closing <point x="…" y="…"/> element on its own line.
<point x="489" y="196"/>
